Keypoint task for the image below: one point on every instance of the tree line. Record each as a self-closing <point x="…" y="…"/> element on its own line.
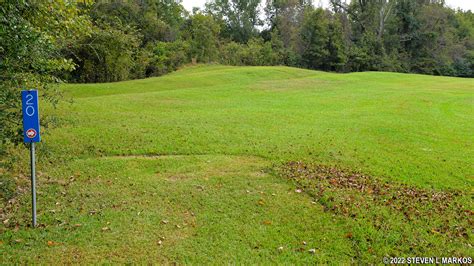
<point x="380" y="35"/>
<point x="136" y="39"/>
<point x="46" y="42"/>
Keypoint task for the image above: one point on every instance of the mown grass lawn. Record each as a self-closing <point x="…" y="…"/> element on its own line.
<point x="185" y="168"/>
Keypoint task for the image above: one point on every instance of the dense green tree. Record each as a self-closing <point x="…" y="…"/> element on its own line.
<point x="259" y="53"/>
<point x="285" y="17"/>
<point x="124" y="34"/>
<point x="367" y="53"/>
<point x="256" y="52"/>
<point x="107" y="55"/>
<point x="337" y="57"/>
<point x="231" y="53"/>
<point x="156" y="20"/>
<point x="241" y="18"/>
<point x="463" y="56"/>
<point x="323" y="44"/>
<point x="315" y="37"/>
<point x="167" y="57"/>
<point x="31" y="36"/>
<point x="203" y="33"/>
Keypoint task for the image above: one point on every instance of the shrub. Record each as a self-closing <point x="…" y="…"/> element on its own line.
<point x="231" y="54"/>
<point x="107" y="55"/>
<point x="255" y="53"/>
<point x="167" y="57"/>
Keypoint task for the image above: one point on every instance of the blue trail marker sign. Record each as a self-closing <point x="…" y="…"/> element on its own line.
<point x="31" y="130"/>
<point x="31" y="134"/>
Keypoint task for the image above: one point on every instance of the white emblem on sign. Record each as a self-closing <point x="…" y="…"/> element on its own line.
<point x="31" y="133"/>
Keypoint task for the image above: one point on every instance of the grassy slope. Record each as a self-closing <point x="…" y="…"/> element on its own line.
<point x="207" y="133"/>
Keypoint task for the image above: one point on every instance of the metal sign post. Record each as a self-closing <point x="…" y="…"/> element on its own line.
<point x="31" y="134"/>
<point x="33" y="183"/>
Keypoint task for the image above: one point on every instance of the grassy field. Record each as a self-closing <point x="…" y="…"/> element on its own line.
<point x="215" y="164"/>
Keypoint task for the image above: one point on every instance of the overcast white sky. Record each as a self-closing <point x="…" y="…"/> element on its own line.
<point x="463" y="4"/>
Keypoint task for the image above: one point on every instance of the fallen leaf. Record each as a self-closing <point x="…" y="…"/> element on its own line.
<point x="267" y="222"/>
<point x="349" y="235"/>
<point x="164" y="221"/>
<point x="52" y="243"/>
<point x="105" y="229"/>
<point x="469" y="212"/>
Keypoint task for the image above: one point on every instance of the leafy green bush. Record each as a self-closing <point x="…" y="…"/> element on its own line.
<point x="167" y="57"/>
<point x="31" y="36"/>
<point x="107" y="55"/>
<point x="231" y="54"/>
<point x="255" y="53"/>
<point x="259" y="53"/>
<point x="203" y="31"/>
<point x="464" y="67"/>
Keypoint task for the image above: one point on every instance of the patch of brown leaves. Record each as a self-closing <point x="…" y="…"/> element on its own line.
<point x="352" y="194"/>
